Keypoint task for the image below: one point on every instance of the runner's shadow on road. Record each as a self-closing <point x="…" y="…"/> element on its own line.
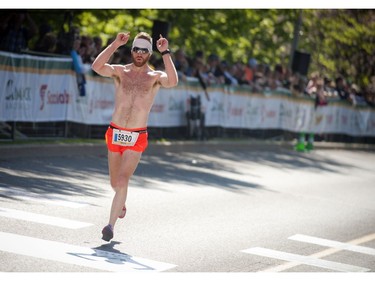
<point x="117" y="257"/>
<point x="107" y="253"/>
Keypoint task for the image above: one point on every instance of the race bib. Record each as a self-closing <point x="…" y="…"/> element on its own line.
<point x="124" y="138"/>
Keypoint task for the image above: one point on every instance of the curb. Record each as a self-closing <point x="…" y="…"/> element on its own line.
<point x="249" y="142"/>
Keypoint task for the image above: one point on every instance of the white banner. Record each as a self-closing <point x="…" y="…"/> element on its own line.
<point x="35" y="97"/>
<point x="168" y="109"/>
<point x="96" y="106"/>
<point x="34" y="89"/>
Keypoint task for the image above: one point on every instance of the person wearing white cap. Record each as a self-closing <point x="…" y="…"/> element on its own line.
<point x="136" y="85"/>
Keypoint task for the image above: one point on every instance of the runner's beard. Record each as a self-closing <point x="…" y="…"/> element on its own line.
<point x="139" y="63"/>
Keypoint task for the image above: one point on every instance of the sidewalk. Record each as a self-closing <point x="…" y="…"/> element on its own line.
<point x="317" y="145"/>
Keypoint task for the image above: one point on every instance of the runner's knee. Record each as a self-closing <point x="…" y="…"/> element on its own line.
<point x="119" y="183"/>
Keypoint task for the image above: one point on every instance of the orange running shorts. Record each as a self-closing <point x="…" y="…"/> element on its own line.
<point x="139" y="146"/>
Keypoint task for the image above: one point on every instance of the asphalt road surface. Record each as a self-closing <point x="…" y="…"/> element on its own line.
<point x="203" y="207"/>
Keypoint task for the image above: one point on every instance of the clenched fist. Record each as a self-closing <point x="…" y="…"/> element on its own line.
<point x="122" y="38"/>
<point x="162" y="44"/>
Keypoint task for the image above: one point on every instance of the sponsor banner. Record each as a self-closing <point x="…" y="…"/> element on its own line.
<point x="168" y="109"/>
<point x="36" y="89"/>
<point x="234" y="110"/>
<point x="96" y="106"/>
<point x="35" y="97"/>
<point x="214" y="113"/>
<point x="17" y="97"/>
<point x="56" y="93"/>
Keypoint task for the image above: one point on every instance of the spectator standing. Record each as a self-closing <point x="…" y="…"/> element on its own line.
<point x="321" y="97"/>
<point x="47" y="44"/>
<point x="228" y="73"/>
<point x="79" y="67"/>
<point x="260" y="78"/>
<point x="369" y="96"/>
<point x="249" y="71"/>
<point x="86" y="49"/>
<point x="312" y="85"/>
<point x="328" y="87"/>
<point x="181" y="63"/>
<point x="16" y="31"/>
<point x="44" y="41"/>
<point x="98" y="45"/>
<point x="356" y="95"/>
<point x="369" y="93"/>
<point x="239" y="72"/>
<point x="198" y="71"/>
<point x="214" y="72"/>
<point x="341" y="88"/>
<point x="296" y="84"/>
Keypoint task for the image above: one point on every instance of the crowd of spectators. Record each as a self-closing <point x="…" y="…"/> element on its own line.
<point x="18" y="30"/>
<point x="263" y="78"/>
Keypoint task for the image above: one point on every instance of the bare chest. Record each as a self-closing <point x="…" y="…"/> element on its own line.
<point x="137" y="84"/>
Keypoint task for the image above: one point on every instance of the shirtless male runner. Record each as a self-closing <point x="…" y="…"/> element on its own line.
<point x="136" y="86"/>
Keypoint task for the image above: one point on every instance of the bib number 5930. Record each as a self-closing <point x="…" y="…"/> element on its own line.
<point x="124" y="138"/>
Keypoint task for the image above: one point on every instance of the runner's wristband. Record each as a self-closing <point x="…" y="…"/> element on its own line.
<point x="167" y="51"/>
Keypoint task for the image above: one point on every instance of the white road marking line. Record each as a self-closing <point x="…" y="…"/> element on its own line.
<point x="43" y="219"/>
<point x="51" y="200"/>
<point x="333" y="244"/>
<point x="54" y="201"/>
<point x="321" y="254"/>
<point x="77" y="255"/>
<point x="305" y="260"/>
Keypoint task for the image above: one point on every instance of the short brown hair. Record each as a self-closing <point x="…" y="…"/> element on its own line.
<point x="144" y="35"/>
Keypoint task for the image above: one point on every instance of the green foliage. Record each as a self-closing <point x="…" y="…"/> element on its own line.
<point x="342" y="42"/>
<point x="339" y="41"/>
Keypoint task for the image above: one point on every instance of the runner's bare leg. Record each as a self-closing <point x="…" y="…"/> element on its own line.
<point x="121" y="168"/>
